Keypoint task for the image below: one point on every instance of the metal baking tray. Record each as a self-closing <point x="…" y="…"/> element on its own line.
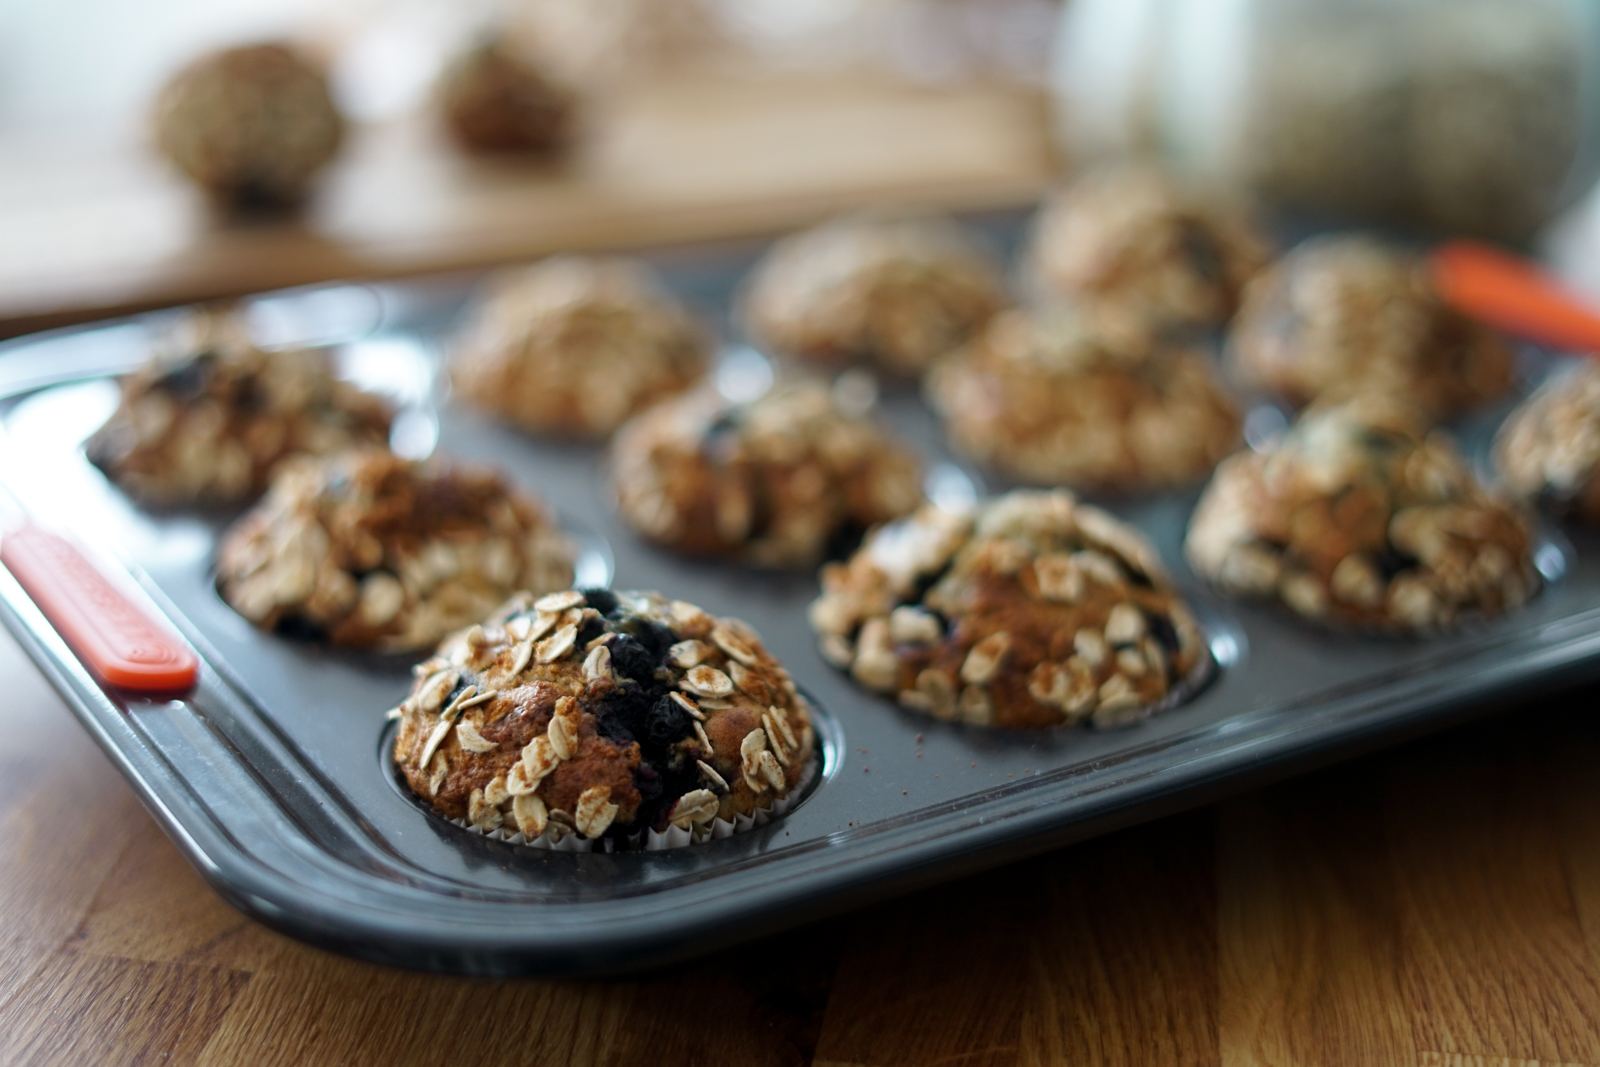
<point x="272" y="776"/>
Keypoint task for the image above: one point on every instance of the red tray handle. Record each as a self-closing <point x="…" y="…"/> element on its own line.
<point x="114" y="637"/>
<point x="1515" y="295"/>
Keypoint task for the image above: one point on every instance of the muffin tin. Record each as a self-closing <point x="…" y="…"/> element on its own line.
<point x="273" y="777"/>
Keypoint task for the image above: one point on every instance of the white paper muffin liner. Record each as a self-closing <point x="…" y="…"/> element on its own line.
<point x="651" y="841"/>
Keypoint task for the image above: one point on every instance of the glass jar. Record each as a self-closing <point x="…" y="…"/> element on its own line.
<point x="1462" y="116"/>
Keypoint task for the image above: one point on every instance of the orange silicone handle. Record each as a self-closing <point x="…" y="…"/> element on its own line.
<point x="1513" y="294"/>
<point x="115" y="639"/>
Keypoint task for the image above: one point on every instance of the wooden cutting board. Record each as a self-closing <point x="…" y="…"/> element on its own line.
<point x="87" y="232"/>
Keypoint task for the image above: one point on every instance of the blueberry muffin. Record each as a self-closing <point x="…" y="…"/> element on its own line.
<point x="894" y="292"/>
<point x="1548" y="451"/>
<point x="250" y="126"/>
<point x="617" y="716"/>
<point x="1348" y="312"/>
<point x="1032" y="611"/>
<point x="497" y="102"/>
<point x="573" y="346"/>
<point x="1362" y="517"/>
<point x="1060" y="396"/>
<point x="368" y="549"/>
<point x="1127" y="237"/>
<point x="777" y="482"/>
<point x="208" y="420"/>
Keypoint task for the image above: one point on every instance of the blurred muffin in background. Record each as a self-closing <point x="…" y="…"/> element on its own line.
<point x="777" y="481"/>
<point x="1361" y="516"/>
<point x="1346" y="312"/>
<point x="895" y="292"/>
<point x="1127" y="236"/>
<point x="1548" y="450"/>
<point x="1065" y="396"/>
<point x="251" y="126"/>
<point x="572" y="346"/>
<point x="495" y="101"/>
<point x="208" y="420"/>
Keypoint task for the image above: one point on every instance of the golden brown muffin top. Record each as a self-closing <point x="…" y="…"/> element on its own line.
<point x="894" y="292"/>
<point x="1548" y="450"/>
<point x="1129" y="237"/>
<point x="1362" y="516"/>
<point x="774" y="482"/>
<point x="1032" y="611"/>
<point x="208" y="420"/>
<point x="574" y="345"/>
<point x="1063" y="395"/>
<point x="1348" y="313"/>
<point x="366" y="548"/>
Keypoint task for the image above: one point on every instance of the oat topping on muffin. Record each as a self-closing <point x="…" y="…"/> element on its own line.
<point x="1126" y="236"/>
<point x="497" y="101"/>
<point x="895" y="292"/>
<point x="1362" y="517"/>
<point x="250" y="126"/>
<point x="368" y="549"/>
<point x="605" y="714"/>
<point x="776" y="482"/>
<point x="1348" y="312"/>
<point x="1032" y="611"/>
<point x="210" y="417"/>
<point x="1060" y="396"/>
<point x="1548" y="451"/>
<point x="573" y="346"/>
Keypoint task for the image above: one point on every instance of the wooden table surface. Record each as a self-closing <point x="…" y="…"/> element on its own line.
<point x="1437" y="904"/>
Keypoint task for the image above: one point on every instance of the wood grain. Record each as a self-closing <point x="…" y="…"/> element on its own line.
<point x="970" y="955"/>
<point x="98" y="230"/>
<point x="1495" y="959"/>
<point x="76" y="1008"/>
<point x="1434" y="905"/>
<point x="1309" y="929"/>
<point x="1124" y="964"/>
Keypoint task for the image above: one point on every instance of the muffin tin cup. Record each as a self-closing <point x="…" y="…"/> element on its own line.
<point x="274" y="776"/>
